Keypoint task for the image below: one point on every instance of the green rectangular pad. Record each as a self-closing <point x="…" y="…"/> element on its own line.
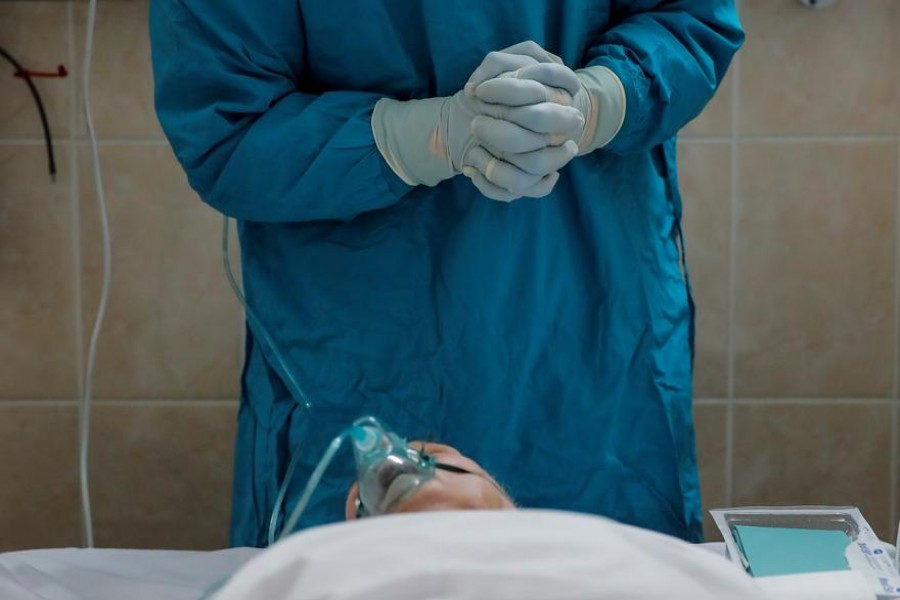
<point x="786" y="551"/>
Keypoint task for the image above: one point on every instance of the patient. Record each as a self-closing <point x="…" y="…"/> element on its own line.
<point x="488" y="555"/>
<point x="465" y="546"/>
<point x="461" y="485"/>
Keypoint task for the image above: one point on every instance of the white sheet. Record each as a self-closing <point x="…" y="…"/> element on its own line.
<point x="73" y="574"/>
<point x="832" y="585"/>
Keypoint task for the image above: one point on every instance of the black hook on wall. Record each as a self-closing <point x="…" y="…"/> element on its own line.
<point x="27" y="76"/>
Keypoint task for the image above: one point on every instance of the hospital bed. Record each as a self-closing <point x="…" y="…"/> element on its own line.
<point x="75" y="574"/>
<point x="527" y="555"/>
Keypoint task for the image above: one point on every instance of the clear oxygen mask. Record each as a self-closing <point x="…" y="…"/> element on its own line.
<point x="388" y="470"/>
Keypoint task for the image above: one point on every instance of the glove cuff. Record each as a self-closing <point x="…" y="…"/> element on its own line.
<point x="409" y="137"/>
<point x="606" y="95"/>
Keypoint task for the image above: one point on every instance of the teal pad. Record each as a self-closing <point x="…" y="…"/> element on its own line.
<point x="787" y="551"/>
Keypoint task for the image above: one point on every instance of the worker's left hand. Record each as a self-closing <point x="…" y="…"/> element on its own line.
<point x="474" y="490"/>
<point x="512" y="82"/>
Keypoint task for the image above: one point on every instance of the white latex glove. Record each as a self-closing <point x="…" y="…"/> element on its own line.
<point x="596" y="92"/>
<point x="509" y="152"/>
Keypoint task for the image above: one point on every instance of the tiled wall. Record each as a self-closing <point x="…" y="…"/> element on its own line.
<point x="792" y="186"/>
<point x="169" y="357"/>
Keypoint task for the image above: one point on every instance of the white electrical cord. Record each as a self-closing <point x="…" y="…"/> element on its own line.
<point x="84" y="421"/>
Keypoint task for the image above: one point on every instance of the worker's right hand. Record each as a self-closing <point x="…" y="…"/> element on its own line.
<point x="596" y="92"/>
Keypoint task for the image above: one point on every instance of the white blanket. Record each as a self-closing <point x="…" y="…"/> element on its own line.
<point x="514" y="555"/>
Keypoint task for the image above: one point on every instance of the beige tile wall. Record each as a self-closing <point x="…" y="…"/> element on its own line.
<point x="169" y="358"/>
<point x="791" y="181"/>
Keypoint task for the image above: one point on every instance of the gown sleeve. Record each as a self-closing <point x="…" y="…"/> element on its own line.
<point x="671" y="56"/>
<point x="257" y="143"/>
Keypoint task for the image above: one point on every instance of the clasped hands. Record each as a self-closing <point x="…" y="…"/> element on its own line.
<point x="522" y="116"/>
<point x="518" y="121"/>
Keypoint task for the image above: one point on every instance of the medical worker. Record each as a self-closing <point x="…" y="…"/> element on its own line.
<point x="462" y="217"/>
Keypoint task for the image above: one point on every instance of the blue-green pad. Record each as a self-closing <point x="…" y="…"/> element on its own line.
<point x="787" y="551"/>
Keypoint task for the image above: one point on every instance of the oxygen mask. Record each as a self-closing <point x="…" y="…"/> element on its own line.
<point x="388" y="470"/>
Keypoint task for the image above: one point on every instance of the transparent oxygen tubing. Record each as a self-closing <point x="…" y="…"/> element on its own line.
<point x="279" y="500"/>
<point x="84" y="418"/>
<point x="319" y="472"/>
<point x="296" y="391"/>
<point x="312" y="484"/>
<point x="257" y="325"/>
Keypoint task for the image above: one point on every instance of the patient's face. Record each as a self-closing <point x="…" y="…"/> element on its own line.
<point x="448" y="490"/>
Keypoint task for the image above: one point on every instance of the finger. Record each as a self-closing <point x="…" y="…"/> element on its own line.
<point x="488" y="189"/>
<point x="541" y="162"/>
<point x="494" y="65"/>
<point x="505" y="136"/>
<point x="501" y="173"/>
<point x="520" y="92"/>
<point x="543" y="188"/>
<point x="546" y="117"/>
<point x="533" y="50"/>
<point x="552" y="75"/>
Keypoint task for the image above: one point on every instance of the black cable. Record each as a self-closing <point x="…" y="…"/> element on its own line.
<point x="48" y="139"/>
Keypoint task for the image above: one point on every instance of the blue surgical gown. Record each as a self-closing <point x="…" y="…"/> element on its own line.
<point x="550" y="340"/>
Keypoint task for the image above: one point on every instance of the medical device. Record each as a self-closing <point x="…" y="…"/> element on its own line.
<point x="388" y="472"/>
<point x="388" y="469"/>
<point x="777" y="541"/>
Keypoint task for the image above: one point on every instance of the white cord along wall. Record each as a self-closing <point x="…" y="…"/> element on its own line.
<point x="84" y="417"/>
